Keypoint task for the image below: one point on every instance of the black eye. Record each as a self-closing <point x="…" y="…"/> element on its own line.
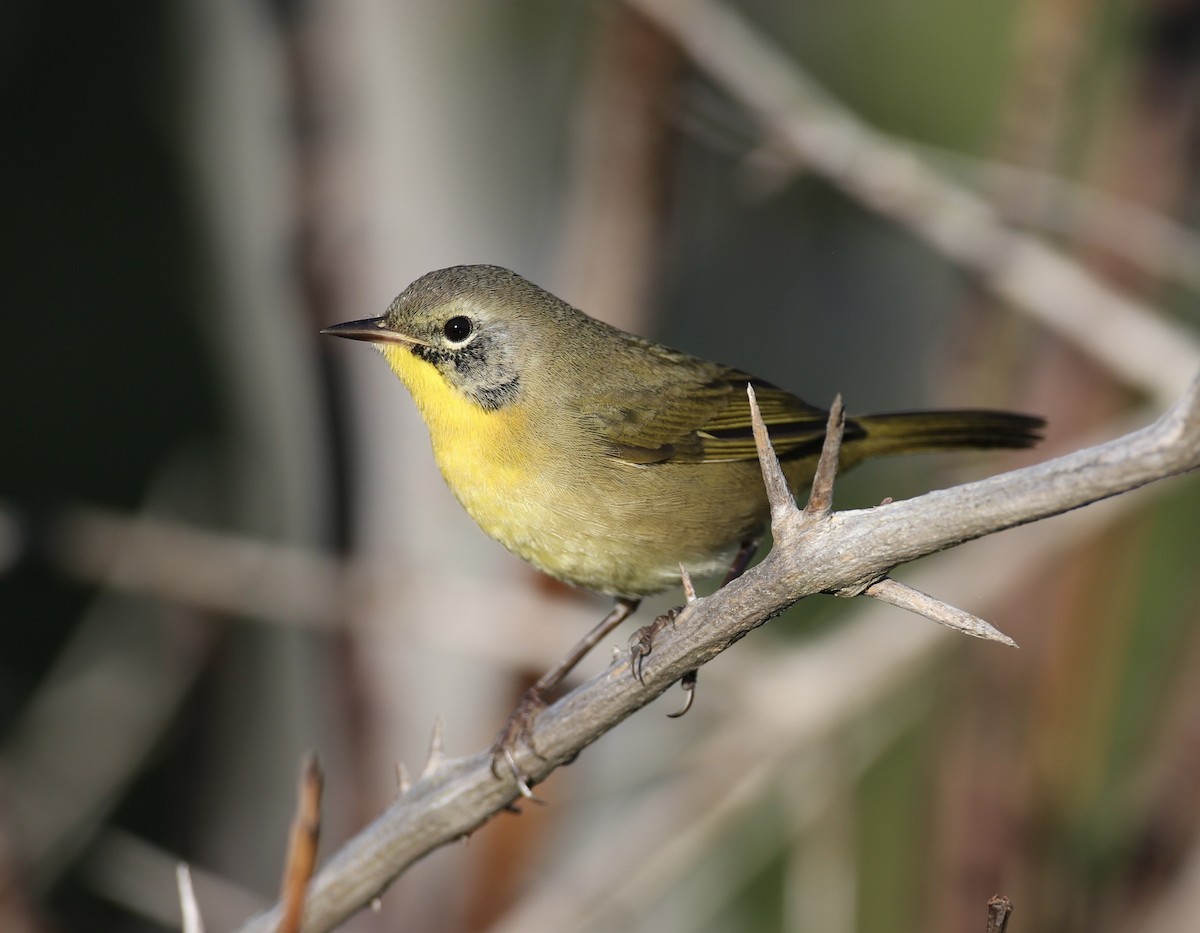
<point x="457" y="329"/>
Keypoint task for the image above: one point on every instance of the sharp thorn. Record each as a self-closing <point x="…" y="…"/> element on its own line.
<point x="437" y="753"/>
<point x="689" y="589"/>
<point x="778" y="494"/>
<point x="820" y="499"/>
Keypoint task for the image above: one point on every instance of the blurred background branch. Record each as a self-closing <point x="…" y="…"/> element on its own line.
<point x="894" y="181"/>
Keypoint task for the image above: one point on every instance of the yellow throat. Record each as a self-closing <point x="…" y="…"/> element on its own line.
<point x="482" y="454"/>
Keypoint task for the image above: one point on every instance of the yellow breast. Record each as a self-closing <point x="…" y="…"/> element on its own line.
<point x="484" y="456"/>
<point x="574" y="513"/>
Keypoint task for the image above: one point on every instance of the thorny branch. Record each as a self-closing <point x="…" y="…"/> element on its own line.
<point x="822" y="552"/>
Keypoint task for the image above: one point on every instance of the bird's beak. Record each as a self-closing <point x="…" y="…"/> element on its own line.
<point x="373" y="330"/>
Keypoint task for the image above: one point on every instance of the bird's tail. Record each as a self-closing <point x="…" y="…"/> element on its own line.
<point x="916" y="431"/>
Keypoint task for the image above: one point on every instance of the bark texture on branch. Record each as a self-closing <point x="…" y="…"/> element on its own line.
<point x="815" y="552"/>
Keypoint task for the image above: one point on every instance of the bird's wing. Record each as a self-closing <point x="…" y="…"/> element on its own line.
<point x="707" y="420"/>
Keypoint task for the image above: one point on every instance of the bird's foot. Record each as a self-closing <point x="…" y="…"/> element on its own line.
<point x="688" y="682"/>
<point x="641" y="642"/>
<point x="518" y="731"/>
<point x="640" y="645"/>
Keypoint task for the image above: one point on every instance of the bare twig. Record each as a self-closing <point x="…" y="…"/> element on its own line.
<point x="437" y="750"/>
<point x="190" y="910"/>
<point x="898" y="594"/>
<point x="849" y="549"/>
<point x="999" y="910"/>
<point x="302" y="846"/>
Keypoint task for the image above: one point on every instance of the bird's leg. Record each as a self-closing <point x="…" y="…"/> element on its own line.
<point x="741" y="560"/>
<point x="642" y="641"/>
<point x="533" y="701"/>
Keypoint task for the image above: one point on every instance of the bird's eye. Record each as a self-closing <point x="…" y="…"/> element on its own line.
<point x="457" y="329"/>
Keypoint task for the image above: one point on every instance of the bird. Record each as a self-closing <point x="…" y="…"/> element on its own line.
<point x="604" y="459"/>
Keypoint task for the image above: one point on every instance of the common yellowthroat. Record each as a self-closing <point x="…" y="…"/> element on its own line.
<point x="604" y="459"/>
<point x="607" y="460"/>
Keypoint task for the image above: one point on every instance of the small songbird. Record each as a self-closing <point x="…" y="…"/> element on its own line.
<point x="607" y="460"/>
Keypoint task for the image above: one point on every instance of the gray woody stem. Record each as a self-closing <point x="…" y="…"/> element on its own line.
<point x="817" y="552"/>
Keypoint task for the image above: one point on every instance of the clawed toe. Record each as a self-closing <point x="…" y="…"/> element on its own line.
<point x="640" y="645"/>
<point x="518" y="731"/>
<point x="642" y="642"/>
<point x="688" y="682"/>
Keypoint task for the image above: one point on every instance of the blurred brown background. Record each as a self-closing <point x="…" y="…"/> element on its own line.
<point x="223" y="540"/>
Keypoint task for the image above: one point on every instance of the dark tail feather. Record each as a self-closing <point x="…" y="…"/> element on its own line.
<point x="915" y="431"/>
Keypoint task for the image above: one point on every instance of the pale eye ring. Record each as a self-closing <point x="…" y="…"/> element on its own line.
<point x="458" y="328"/>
